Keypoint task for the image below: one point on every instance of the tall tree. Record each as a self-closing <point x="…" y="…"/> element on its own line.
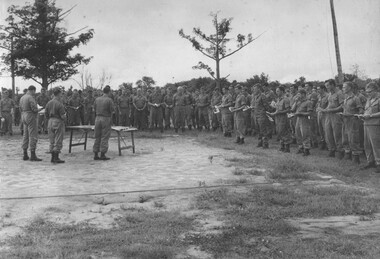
<point x="41" y="48"/>
<point x="145" y="81"/>
<point x="217" y="49"/>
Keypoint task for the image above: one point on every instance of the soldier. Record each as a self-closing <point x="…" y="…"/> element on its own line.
<point x="155" y="102"/>
<point x="29" y="112"/>
<point x="312" y="96"/>
<point x="104" y="108"/>
<point x="371" y="119"/>
<point x="180" y="106"/>
<point x="190" y="107"/>
<point x="74" y="105"/>
<point x="282" y="121"/>
<point x="333" y="125"/>
<point x="88" y="107"/>
<point x="7" y="106"/>
<point x="123" y="104"/>
<point x="56" y="115"/>
<point x="261" y="107"/>
<point x="322" y="104"/>
<point x="169" y="111"/>
<point x="202" y="104"/>
<point x="363" y="100"/>
<point x="139" y="103"/>
<point x="240" y="104"/>
<point x="293" y="120"/>
<point x="303" y="109"/>
<point x="42" y="100"/>
<point x="351" y="140"/>
<point x="215" y="118"/>
<point x="227" y="115"/>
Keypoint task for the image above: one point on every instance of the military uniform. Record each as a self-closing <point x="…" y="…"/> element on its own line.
<point x="203" y="103"/>
<point x="240" y="126"/>
<point x="156" y="112"/>
<point x="169" y="110"/>
<point x="29" y="112"/>
<point x="6" y="106"/>
<point x="261" y="107"/>
<point x="215" y="118"/>
<point x="227" y="116"/>
<point x="180" y="112"/>
<point x="140" y="103"/>
<point x="321" y="116"/>
<point x="89" y="113"/>
<point x="313" y="98"/>
<point x="282" y="122"/>
<point x="42" y="100"/>
<point x="124" y="104"/>
<point x="372" y="131"/>
<point x="74" y="104"/>
<point x="303" y="131"/>
<point x="333" y="124"/>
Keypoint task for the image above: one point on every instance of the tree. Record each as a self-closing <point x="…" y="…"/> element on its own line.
<point x="41" y="49"/>
<point x="217" y="49"/>
<point x="146" y="81"/>
<point x="257" y="79"/>
<point x="300" y="81"/>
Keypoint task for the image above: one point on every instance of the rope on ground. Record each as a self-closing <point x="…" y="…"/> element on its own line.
<point x="127" y="192"/>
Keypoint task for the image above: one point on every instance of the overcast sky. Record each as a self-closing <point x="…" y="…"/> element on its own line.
<point x="136" y="38"/>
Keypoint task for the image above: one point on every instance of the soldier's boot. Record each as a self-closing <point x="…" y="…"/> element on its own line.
<point x="25" y="157"/>
<point x="260" y="143"/>
<point x="237" y="140"/>
<point x="162" y="129"/>
<point x="322" y="146"/>
<point x="347" y="156"/>
<point x="189" y="127"/>
<point x="356" y="159"/>
<point x="306" y="152"/>
<point x="300" y="150"/>
<point x="241" y="141"/>
<point x="52" y="160"/>
<point x="282" y="148"/>
<point x="287" y="148"/>
<point x="369" y="165"/>
<point x="33" y="156"/>
<point x="331" y="153"/>
<point x="103" y="156"/>
<point x="315" y="144"/>
<point x="57" y="160"/>
<point x="183" y="129"/>
<point x="340" y="155"/>
<point x="265" y="145"/>
<point x="96" y="156"/>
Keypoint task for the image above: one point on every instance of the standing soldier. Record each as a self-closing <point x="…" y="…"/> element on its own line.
<point x="240" y="104"/>
<point x="56" y="116"/>
<point x="371" y="119"/>
<point x="42" y="100"/>
<point x="81" y="109"/>
<point x="74" y="105"/>
<point x="215" y="118"/>
<point x="104" y="108"/>
<point x="168" y="105"/>
<point x="293" y="120"/>
<point x="89" y="113"/>
<point x="321" y="105"/>
<point x="123" y="104"/>
<point x="202" y="104"/>
<point x="7" y="106"/>
<point x="282" y="121"/>
<point x="303" y="109"/>
<point x="155" y="102"/>
<point x="190" y="107"/>
<point x="351" y="139"/>
<point x="363" y="100"/>
<point x="29" y="112"/>
<point x="261" y="107"/>
<point x="312" y="96"/>
<point x="227" y="115"/>
<point x="333" y="124"/>
<point x="180" y="102"/>
<point x="140" y="103"/>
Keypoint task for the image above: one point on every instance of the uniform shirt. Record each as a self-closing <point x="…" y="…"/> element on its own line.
<point x="42" y="100"/>
<point x="240" y="101"/>
<point x="313" y="98"/>
<point x="260" y="105"/>
<point x="270" y="95"/>
<point x="335" y="99"/>
<point x="28" y="104"/>
<point x="89" y="103"/>
<point x="54" y="109"/>
<point x="123" y="101"/>
<point x="352" y="105"/>
<point x="6" y="104"/>
<point x="104" y="106"/>
<point x="180" y="100"/>
<point x="74" y="102"/>
<point x="203" y="100"/>
<point x="304" y="106"/>
<point x="292" y="99"/>
<point x="227" y="100"/>
<point x="168" y="99"/>
<point x="323" y="101"/>
<point x="362" y="98"/>
<point x="282" y="104"/>
<point x="216" y="99"/>
<point x="372" y="106"/>
<point x="156" y="98"/>
<point x="140" y="101"/>
<point x="189" y="99"/>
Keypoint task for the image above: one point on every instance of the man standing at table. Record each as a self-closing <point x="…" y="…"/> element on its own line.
<point x="104" y="107"/>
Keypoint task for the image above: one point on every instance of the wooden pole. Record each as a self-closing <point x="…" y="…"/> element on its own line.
<point x="337" y="52"/>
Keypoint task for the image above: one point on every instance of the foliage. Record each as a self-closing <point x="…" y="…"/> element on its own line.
<point x="145" y="81"/>
<point x="41" y="48"/>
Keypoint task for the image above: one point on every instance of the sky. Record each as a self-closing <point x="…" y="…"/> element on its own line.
<point x="136" y="38"/>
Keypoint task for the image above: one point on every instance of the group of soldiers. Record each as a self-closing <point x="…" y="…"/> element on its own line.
<point x="343" y="119"/>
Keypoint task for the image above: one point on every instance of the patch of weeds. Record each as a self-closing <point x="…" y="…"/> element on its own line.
<point x="54" y="210"/>
<point x="150" y="135"/>
<point x="290" y="168"/>
<point x="158" y="204"/>
<point x="237" y="171"/>
<point x="254" y="172"/>
<point x="144" y="198"/>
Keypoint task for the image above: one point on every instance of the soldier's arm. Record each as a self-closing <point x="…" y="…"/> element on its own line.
<point x="33" y="105"/>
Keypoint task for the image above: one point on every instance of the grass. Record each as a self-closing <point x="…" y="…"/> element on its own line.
<point x="139" y="234"/>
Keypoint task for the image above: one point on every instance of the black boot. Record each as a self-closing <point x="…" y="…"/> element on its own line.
<point x="300" y="150"/>
<point x="52" y="160"/>
<point x="347" y="156"/>
<point x="282" y="148"/>
<point x="33" y="156"/>
<point x="287" y="148"/>
<point x="241" y="141"/>
<point x="103" y="156"/>
<point x="260" y="143"/>
<point x="356" y="159"/>
<point x="237" y="140"/>
<point x="96" y="156"/>
<point x="25" y="157"/>
<point x="306" y="152"/>
<point x="332" y="153"/>
<point x="57" y="160"/>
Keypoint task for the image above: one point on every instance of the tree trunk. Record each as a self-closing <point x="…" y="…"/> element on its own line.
<point x="338" y="61"/>
<point x="13" y="71"/>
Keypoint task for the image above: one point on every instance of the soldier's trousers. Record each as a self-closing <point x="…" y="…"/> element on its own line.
<point x="203" y="117"/>
<point x="303" y="132"/>
<point x="169" y="115"/>
<point x="30" y="137"/>
<point x="156" y="117"/>
<point x="189" y="115"/>
<point x="7" y="124"/>
<point x="283" y="129"/>
<point x="215" y="118"/>
<point x="240" y="126"/>
<point x="314" y="128"/>
<point x="227" y="120"/>
<point x="124" y="117"/>
<point x="42" y="123"/>
<point x="264" y="128"/>
<point x="333" y="132"/>
<point x="102" y="133"/>
<point x="372" y="143"/>
<point x="56" y="131"/>
<point x="350" y="135"/>
<point x="179" y="116"/>
<point x="89" y="117"/>
<point x="321" y="126"/>
<point x="140" y="119"/>
<point x="253" y="123"/>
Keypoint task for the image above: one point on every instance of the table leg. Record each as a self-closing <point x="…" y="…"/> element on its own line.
<point x="71" y="140"/>
<point x="118" y="142"/>
<point x="133" y="142"/>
